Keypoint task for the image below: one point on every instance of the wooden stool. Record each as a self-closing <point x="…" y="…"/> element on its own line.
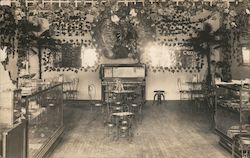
<point x="125" y="130"/>
<point x="135" y="108"/>
<point x="110" y="129"/>
<point x="97" y="106"/>
<point x="159" y="94"/>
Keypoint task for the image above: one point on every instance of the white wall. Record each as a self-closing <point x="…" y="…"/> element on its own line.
<point x="167" y="81"/>
<point x="86" y="78"/>
<point x="155" y="81"/>
<point x="239" y="72"/>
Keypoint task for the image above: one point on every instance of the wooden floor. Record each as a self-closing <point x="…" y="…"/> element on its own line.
<point x="167" y="131"/>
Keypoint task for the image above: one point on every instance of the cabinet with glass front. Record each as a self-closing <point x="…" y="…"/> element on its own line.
<point x="232" y="117"/>
<point x="44" y="112"/>
<point x="12" y="124"/>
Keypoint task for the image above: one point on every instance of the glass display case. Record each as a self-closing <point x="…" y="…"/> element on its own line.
<point x="44" y="113"/>
<point x="13" y="141"/>
<point x="10" y="107"/>
<point x="232" y="116"/>
<point x="12" y="125"/>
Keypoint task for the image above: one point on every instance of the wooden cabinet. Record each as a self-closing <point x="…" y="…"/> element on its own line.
<point x="132" y="77"/>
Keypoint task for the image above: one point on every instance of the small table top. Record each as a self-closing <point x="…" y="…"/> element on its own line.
<point x="123" y="92"/>
<point x="122" y="114"/>
<point x="159" y="91"/>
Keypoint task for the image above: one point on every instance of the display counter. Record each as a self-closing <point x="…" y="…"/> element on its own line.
<point x="12" y="125"/>
<point x="232" y="116"/>
<point x="13" y="140"/>
<point x="44" y="113"/>
<point x="10" y="107"/>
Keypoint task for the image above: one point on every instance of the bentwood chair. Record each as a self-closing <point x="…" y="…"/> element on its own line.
<point x="184" y="93"/>
<point x="136" y="109"/>
<point x="110" y="126"/>
<point x="71" y="89"/>
<point x="96" y="105"/>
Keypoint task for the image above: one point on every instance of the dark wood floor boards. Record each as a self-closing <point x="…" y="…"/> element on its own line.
<point x="166" y="131"/>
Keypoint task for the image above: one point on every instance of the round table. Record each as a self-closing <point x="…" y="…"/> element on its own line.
<point x="123" y="92"/>
<point x="122" y="114"/>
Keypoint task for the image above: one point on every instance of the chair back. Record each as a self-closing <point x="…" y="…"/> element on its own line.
<point x="91" y="91"/>
<point x="179" y="84"/>
<point x="75" y="83"/>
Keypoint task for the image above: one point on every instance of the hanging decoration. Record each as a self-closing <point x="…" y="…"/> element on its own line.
<point x="175" y="25"/>
<point x="8" y="27"/>
<point x="117" y="31"/>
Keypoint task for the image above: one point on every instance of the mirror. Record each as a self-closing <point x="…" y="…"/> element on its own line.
<point x="71" y="57"/>
<point x="245" y="55"/>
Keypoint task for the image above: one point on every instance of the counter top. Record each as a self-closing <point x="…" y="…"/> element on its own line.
<point x="3" y="128"/>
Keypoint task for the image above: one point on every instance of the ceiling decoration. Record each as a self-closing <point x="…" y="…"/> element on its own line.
<point x="118" y="31"/>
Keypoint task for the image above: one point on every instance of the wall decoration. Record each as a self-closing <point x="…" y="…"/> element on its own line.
<point x="8" y="27"/>
<point x="166" y="58"/>
<point x="175" y="26"/>
<point x="117" y="31"/>
<point x="120" y="30"/>
<point x="73" y="30"/>
<point x="71" y="58"/>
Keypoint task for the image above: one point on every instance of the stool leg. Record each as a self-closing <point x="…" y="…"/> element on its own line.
<point x="163" y="96"/>
<point x="159" y="99"/>
<point x="181" y="96"/>
<point x="117" y="128"/>
<point x="154" y="98"/>
<point x="140" y="114"/>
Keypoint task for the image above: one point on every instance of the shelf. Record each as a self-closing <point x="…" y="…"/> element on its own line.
<point x="234" y="87"/>
<point x="232" y="113"/>
<point x="226" y="142"/>
<point x="42" y="90"/>
<point x="45" y="119"/>
<point x="37" y="113"/>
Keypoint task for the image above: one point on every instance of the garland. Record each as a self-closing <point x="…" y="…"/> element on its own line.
<point x="141" y="24"/>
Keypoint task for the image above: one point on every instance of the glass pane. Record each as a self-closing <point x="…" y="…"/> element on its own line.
<point x="45" y="118"/>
